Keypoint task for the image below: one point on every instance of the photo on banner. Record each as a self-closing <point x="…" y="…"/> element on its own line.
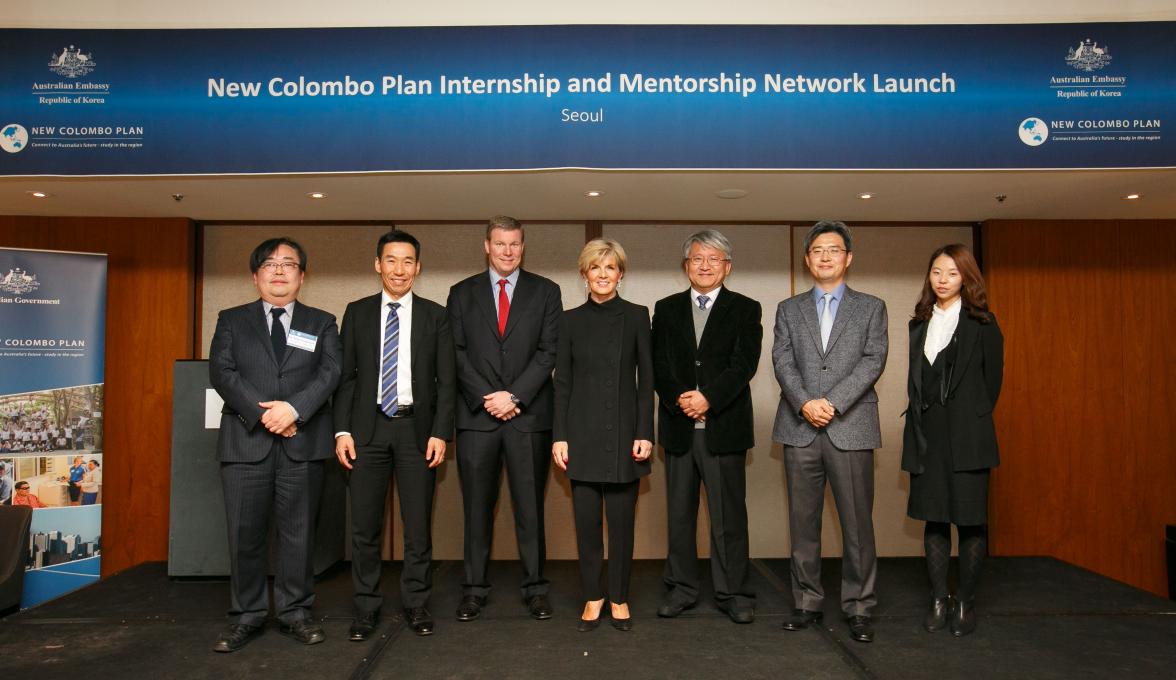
<point x="52" y="346"/>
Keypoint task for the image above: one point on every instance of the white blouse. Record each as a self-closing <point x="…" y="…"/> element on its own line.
<point x="941" y="328"/>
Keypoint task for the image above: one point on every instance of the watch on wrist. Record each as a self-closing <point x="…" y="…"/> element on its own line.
<point x="514" y="399"/>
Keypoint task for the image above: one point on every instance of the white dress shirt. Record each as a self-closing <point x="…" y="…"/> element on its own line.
<point x="940" y="329"/>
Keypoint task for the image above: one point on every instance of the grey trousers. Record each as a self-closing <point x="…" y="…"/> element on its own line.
<point x="851" y="475"/>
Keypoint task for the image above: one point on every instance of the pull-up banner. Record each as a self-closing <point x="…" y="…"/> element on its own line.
<point x="148" y="102"/>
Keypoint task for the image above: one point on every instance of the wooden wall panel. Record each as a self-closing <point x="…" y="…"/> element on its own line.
<point x="149" y="324"/>
<point x="1085" y="420"/>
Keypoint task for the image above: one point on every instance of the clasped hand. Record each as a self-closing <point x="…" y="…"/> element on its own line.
<point x="818" y="412"/>
<point x="693" y="404"/>
<point x="278" y="418"/>
<point x="500" y="405"/>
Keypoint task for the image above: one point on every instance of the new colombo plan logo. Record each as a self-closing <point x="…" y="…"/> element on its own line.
<point x="13" y="138"/>
<point x="1033" y="131"/>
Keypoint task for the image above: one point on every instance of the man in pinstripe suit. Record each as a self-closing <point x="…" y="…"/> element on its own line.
<point x="275" y="363"/>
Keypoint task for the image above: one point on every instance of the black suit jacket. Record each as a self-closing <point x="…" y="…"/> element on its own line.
<point x="519" y="362"/>
<point x="604" y="390"/>
<point x="721" y="367"/>
<point x="243" y="370"/>
<point x="433" y="381"/>
<point x="972" y="386"/>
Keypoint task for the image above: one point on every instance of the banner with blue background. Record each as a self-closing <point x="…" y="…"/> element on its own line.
<point x="52" y="347"/>
<point x="150" y="102"/>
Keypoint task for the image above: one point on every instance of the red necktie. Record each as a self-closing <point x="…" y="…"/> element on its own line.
<point x="503" y="306"/>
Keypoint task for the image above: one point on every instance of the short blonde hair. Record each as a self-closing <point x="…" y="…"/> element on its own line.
<point x="599" y="249"/>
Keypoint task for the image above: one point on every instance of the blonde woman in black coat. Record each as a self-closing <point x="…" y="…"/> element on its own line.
<point x="949" y="442"/>
<point x="603" y="426"/>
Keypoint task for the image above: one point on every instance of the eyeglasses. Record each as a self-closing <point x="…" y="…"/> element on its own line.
<point x="831" y="251"/>
<point x="713" y="260"/>
<point x="279" y="267"/>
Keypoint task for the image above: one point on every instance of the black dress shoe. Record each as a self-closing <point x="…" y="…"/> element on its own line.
<point x="304" y="632"/>
<point x="540" y="607"/>
<point x="362" y="626"/>
<point x="672" y="609"/>
<point x="802" y="618"/>
<point x="936" y="618"/>
<point x="861" y="628"/>
<point x="738" y="614"/>
<point x="470" y="607"/>
<point x="419" y="620"/>
<point x="235" y="637"/>
<point x="963" y="618"/>
<point x="588" y="625"/>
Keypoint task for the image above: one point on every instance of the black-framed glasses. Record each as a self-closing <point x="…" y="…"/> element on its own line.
<point x="278" y="267"/>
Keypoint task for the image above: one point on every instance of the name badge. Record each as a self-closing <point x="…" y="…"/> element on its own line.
<point x="302" y="340"/>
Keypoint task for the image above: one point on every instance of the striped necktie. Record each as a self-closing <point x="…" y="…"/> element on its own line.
<point x="388" y="360"/>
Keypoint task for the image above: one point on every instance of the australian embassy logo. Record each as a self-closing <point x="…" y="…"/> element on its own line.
<point x="19" y="282"/>
<point x="71" y="62"/>
<point x="1033" y="131"/>
<point x="1088" y="56"/>
<point x="13" y="138"/>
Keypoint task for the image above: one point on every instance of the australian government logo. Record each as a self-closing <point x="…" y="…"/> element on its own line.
<point x="70" y="64"/>
<point x="18" y="282"/>
<point x="1088" y="57"/>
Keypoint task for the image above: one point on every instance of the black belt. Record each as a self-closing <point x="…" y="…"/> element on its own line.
<point x="401" y="412"/>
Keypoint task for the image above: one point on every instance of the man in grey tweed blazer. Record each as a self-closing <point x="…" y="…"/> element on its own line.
<point x="829" y="350"/>
<point x="275" y="362"/>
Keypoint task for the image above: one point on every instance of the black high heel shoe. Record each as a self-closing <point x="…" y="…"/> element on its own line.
<point x="936" y="619"/>
<point x="588" y="625"/>
<point x="963" y="618"/>
<point x="624" y="625"/>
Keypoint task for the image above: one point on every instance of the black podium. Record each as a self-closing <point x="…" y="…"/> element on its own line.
<point x="197" y="536"/>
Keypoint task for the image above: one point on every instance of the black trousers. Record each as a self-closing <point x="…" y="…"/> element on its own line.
<point x="725" y="477"/>
<point x="480" y="457"/>
<point x="291" y="490"/>
<point x="393" y="452"/>
<point x="620" y="506"/>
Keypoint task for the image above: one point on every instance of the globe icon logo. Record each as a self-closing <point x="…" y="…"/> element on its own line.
<point x="13" y="138"/>
<point x="1033" y="131"/>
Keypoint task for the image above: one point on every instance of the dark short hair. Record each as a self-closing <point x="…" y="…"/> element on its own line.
<point x="18" y="484"/>
<point x="95" y="462"/>
<point x="267" y="248"/>
<point x="827" y="227"/>
<point x="397" y="236"/>
<point x="506" y="223"/>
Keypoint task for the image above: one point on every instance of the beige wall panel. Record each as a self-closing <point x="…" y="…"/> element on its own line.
<point x="889" y="262"/>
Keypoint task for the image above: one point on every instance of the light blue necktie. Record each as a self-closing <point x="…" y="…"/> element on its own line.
<point x="826" y="321"/>
<point x="391" y="351"/>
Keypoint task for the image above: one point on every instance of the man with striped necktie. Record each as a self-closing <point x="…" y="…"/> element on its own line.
<point x="393" y="416"/>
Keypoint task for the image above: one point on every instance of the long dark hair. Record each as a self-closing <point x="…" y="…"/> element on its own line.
<point x="973" y="292"/>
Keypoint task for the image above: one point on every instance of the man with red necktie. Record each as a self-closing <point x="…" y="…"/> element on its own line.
<point x="504" y="321"/>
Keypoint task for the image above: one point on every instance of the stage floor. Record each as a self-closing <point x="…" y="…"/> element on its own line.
<point x="1039" y="618"/>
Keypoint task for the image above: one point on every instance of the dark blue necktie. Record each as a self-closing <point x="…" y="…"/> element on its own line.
<point x="389" y="356"/>
<point x="278" y="333"/>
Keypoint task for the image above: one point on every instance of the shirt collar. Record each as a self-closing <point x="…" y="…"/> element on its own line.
<point x="495" y="277"/>
<point x="405" y="300"/>
<point x="838" y="293"/>
<point x="713" y="295"/>
<point x="288" y="307"/>
<point x="953" y="310"/>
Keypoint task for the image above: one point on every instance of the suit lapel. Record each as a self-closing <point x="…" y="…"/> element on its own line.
<point x="301" y="321"/>
<point x="967" y="331"/>
<point x="368" y="326"/>
<point x="486" y="302"/>
<point x="715" y="319"/>
<point x="918" y="338"/>
<point x="414" y="340"/>
<point x="845" y="310"/>
<point x="256" y="316"/>
<point x="808" y="310"/>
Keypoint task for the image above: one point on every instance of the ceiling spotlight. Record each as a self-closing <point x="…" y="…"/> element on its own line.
<point x="593" y="193"/>
<point x="731" y="194"/>
<point x="37" y="194"/>
<point x="316" y="195"/>
<point x="1131" y="197"/>
<point x="865" y="196"/>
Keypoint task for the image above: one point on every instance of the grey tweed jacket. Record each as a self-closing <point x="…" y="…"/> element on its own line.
<point x="845" y="374"/>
